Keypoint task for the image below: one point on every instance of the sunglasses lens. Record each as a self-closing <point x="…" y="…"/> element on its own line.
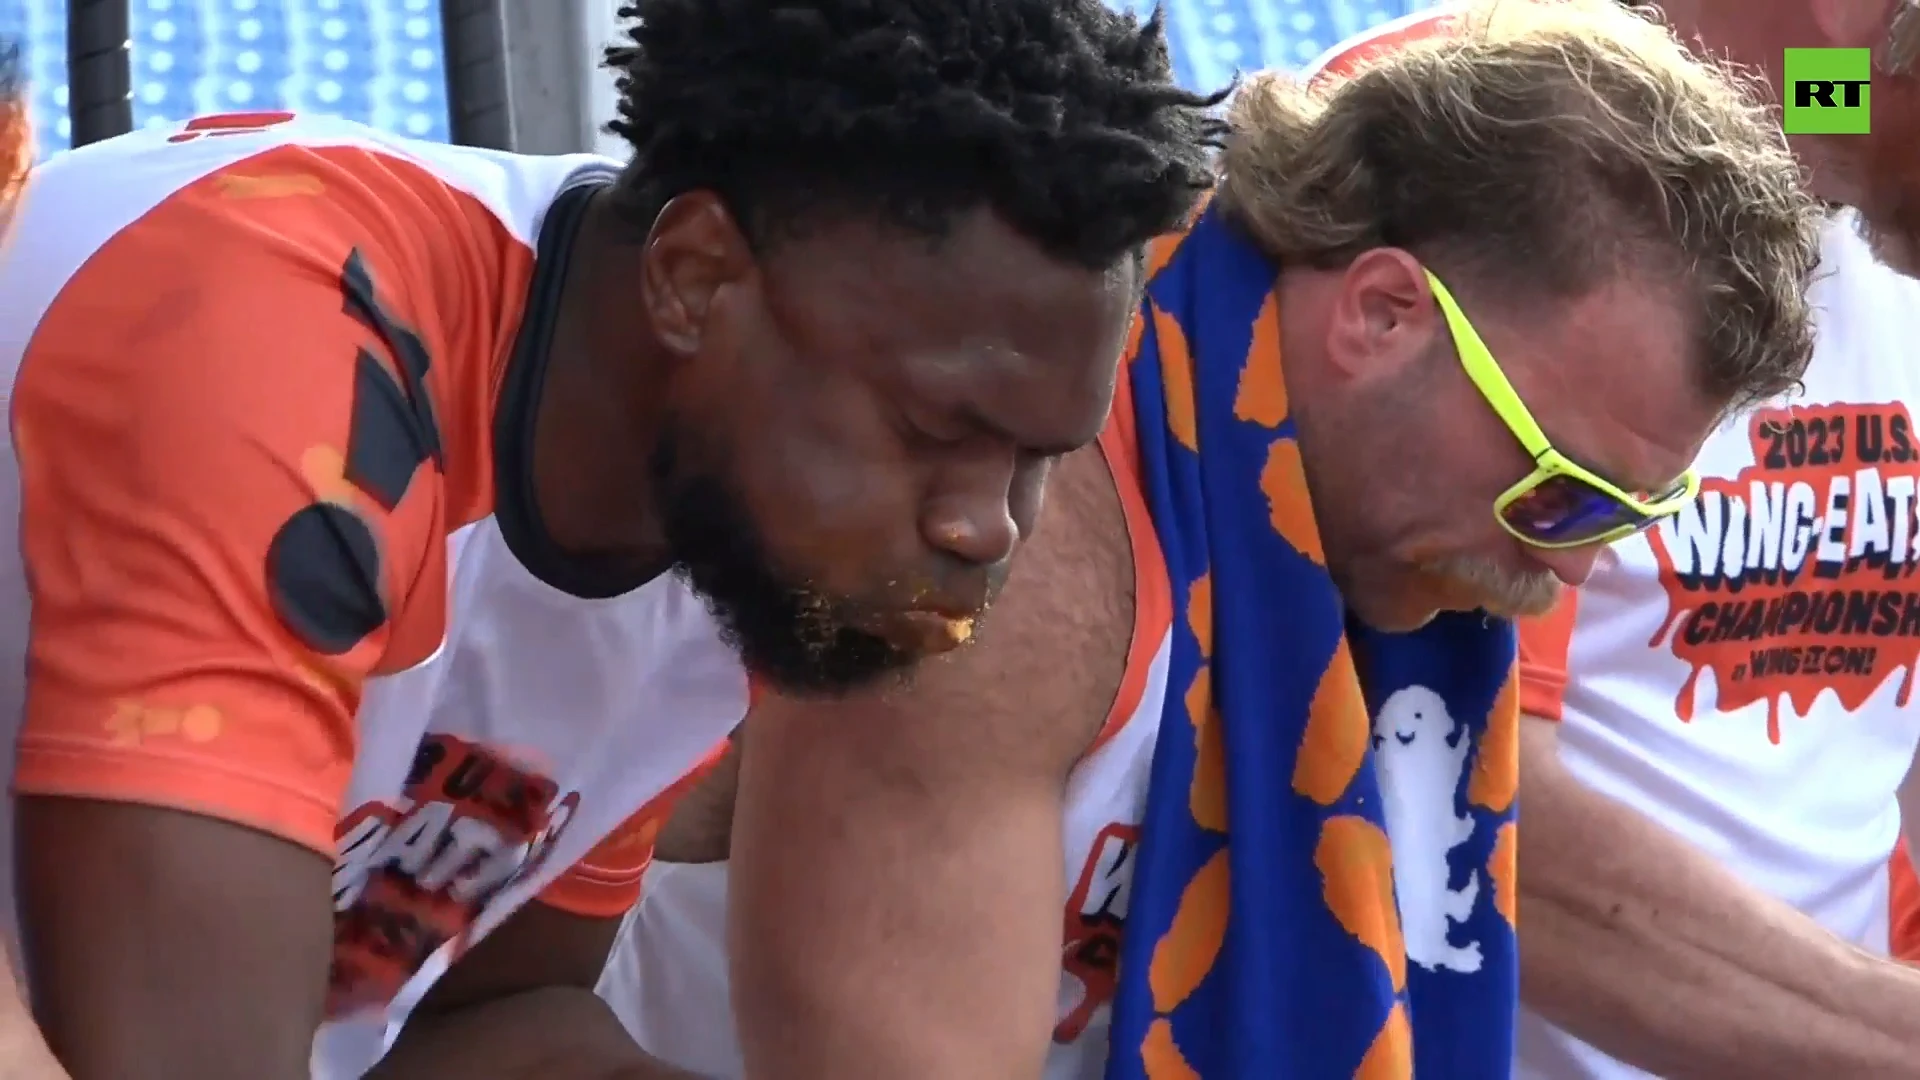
<point x="1563" y="510"/>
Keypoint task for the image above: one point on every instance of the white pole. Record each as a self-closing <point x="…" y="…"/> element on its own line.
<point x="602" y="28"/>
<point x="546" y="58"/>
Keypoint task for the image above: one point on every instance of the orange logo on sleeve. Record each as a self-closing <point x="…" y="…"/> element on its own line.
<point x="133" y="723"/>
<point x="1796" y="577"/>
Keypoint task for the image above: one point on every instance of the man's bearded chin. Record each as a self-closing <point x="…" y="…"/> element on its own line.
<point x="797" y="640"/>
<point x="1485" y="586"/>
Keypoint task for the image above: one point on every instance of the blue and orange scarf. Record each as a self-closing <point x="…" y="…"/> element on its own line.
<point x="1306" y="757"/>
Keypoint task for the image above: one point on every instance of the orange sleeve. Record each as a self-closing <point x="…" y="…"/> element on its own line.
<point x="1904" y="933"/>
<point x="226" y="526"/>
<point x="1544" y="641"/>
<point x="606" y="884"/>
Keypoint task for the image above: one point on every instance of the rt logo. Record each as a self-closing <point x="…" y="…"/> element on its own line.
<point x="1827" y="91"/>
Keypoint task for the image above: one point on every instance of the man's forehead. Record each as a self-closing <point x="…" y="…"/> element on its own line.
<point x="1050" y="402"/>
<point x="1634" y="441"/>
<point x="1614" y="384"/>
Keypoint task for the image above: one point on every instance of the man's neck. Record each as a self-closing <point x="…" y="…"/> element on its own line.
<point x="598" y="421"/>
<point x="1306" y="298"/>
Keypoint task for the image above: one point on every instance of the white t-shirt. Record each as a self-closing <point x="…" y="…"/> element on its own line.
<point x="1742" y="674"/>
<point x="270" y="556"/>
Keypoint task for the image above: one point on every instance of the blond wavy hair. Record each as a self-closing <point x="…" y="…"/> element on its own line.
<point x="1541" y="149"/>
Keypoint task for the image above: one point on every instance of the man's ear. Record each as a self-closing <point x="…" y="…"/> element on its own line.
<point x="1854" y="24"/>
<point x="1383" y="315"/>
<point x="694" y="247"/>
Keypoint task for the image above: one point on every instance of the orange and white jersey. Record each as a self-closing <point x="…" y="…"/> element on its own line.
<point x="668" y="981"/>
<point x="272" y="390"/>
<point x="1743" y="673"/>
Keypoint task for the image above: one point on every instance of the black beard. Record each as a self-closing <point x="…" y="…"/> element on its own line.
<point x="797" y="640"/>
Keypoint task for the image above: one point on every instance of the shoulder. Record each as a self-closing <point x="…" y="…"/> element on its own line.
<point x="220" y="199"/>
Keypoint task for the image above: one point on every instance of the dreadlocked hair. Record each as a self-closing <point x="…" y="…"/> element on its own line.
<point x="1059" y="116"/>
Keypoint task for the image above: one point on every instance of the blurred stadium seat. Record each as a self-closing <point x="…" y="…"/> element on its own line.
<point x="1212" y="39"/>
<point x="377" y="61"/>
<point x="380" y="61"/>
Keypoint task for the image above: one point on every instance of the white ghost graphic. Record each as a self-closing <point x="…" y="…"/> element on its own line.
<point x="1421" y="753"/>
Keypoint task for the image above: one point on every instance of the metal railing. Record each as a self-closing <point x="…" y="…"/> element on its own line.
<point x="542" y="95"/>
<point x="99" y="70"/>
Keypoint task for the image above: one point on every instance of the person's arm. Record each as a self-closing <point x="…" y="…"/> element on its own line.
<point x="217" y="557"/>
<point x="521" y="1003"/>
<point x="1644" y="946"/>
<point x="897" y="877"/>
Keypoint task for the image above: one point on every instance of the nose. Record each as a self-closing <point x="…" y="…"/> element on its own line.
<point x="977" y="530"/>
<point x="1571" y="565"/>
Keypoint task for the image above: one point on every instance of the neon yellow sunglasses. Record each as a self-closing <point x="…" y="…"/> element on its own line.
<point x="1561" y="504"/>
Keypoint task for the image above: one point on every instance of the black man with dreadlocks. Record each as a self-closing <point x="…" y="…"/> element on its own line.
<point x="402" y="525"/>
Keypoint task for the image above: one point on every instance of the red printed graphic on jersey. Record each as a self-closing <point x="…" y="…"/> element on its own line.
<point x="1795" y="578"/>
<point x="409" y="878"/>
<point x="1096" y="913"/>
<point x="240" y="123"/>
